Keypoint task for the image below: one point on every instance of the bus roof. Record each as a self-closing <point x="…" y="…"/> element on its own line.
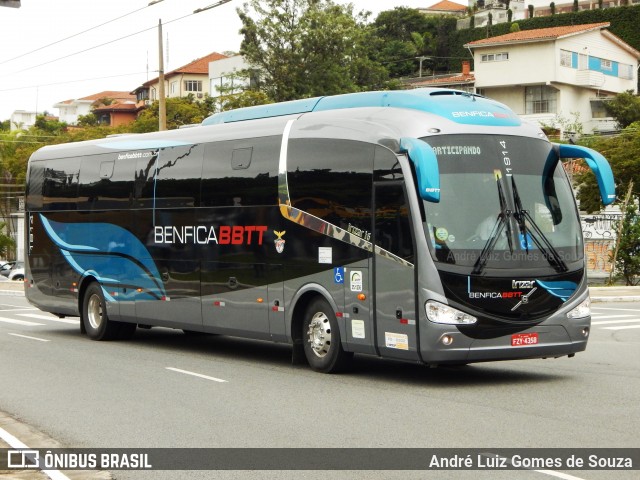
<point x="458" y="106"/>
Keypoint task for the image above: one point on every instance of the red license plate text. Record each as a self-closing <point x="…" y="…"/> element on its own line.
<point x="524" y="339"/>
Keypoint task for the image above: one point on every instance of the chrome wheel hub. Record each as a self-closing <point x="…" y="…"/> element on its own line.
<point x="94" y="311"/>
<point x="319" y="334"/>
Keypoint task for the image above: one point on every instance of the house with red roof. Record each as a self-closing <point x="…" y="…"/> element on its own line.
<point x="192" y="78"/>
<point x="445" y="7"/>
<point x="70" y="110"/>
<point x="557" y="75"/>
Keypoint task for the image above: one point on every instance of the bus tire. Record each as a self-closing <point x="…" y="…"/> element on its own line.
<point x="94" y="315"/>
<point x="321" y="339"/>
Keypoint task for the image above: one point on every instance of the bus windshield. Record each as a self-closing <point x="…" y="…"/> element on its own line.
<point x="505" y="203"/>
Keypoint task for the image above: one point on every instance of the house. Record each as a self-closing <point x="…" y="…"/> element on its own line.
<point x="22" y="119"/>
<point x="495" y="10"/>
<point x="557" y="76"/>
<point x="70" y="110"/>
<point x="223" y="76"/>
<point x="464" y="81"/>
<point x="117" y="114"/>
<point x="192" y="78"/>
<point x="445" y="7"/>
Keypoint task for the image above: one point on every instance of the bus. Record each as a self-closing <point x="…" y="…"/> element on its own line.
<point x="431" y="226"/>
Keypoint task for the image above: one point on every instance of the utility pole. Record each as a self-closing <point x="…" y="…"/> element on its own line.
<point x="162" y="101"/>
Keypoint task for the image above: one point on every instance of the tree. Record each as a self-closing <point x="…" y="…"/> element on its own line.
<point x="306" y="48"/>
<point x="6" y="242"/>
<point x="515" y="27"/>
<point x="530" y="8"/>
<point x="552" y="5"/>
<point x="180" y="111"/>
<point x="576" y="6"/>
<point x="623" y="153"/>
<point x="624" y="108"/>
<point x="627" y="262"/>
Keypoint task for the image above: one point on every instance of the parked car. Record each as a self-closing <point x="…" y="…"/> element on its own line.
<point x="5" y="267"/>
<point x="17" y="272"/>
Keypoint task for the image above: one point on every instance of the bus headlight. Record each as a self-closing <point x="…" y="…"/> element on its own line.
<point x="440" y="313"/>
<point x="581" y="311"/>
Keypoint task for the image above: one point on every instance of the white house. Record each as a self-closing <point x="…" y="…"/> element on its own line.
<point x="70" y="110"/>
<point x="22" y="119"/>
<point x="223" y="75"/>
<point x="556" y="75"/>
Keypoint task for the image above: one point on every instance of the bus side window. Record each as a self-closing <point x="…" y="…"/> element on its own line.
<point x="332" y="179"/>
<point x="61" y="178"/>
<point x="35" y="186"/>
<point x="105" y="183"/>
<point x="241" y="173"/>
<point x="392" y="227"/>
<point x="178" y="176"/>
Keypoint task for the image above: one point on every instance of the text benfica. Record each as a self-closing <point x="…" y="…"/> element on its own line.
<point x="204" y="235"/>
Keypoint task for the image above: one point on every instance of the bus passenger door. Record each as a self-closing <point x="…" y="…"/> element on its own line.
<point x="394" y="273"/>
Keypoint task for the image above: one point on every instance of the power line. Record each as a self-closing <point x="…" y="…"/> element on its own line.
<point x="96" y="46"/>
<point x="72" y="36"/>
<point x="71" y="81"/>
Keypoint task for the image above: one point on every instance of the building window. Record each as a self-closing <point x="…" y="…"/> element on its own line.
<point x="625" y="71"/>
<point x="173" y="88"/>
<point x="598" y="110"/>
<point x="193" y="85"/>
<point x="566" y="58"/>
<point x="540" y="99"/>
<point x="495" y="57"/>
<point x="606" y="64"/>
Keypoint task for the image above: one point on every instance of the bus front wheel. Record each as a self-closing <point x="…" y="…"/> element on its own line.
<point x="94" y="315"/>
<point x="321" y="335"/>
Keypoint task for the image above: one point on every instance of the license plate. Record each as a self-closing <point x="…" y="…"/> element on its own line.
<point x="524" y="339"/>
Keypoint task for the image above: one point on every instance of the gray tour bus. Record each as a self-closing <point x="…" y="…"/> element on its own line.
<point x="429" y="226"/>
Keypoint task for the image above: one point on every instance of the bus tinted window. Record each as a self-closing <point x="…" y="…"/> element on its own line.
<point x="241" y="173"/>
<point x="332" y="180"/>
<point x="61" y="184"/>
<point x="178" y="176"/>
<point x="35" y="186"/>
<point x="106" y="183"/>
<point x="393" y="225"/>
<point x="386" y="166"/>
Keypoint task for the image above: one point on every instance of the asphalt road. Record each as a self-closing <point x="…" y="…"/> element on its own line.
<point x="143" y="393"/>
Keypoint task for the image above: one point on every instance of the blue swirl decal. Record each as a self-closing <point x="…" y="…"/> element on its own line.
<point x="108" y="252"/>
<point x="562" y="289"/>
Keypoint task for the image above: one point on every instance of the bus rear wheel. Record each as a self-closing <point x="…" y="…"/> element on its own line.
<point x="321" y="339"/>
<point x="94" y="315"/>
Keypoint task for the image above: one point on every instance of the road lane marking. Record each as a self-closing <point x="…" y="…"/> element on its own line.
<point x="616" y="309"/>
<point x="19" y="322"/>
<point x="553" y="473"/>
<point x="186" y="372"/>
<point x="49" y="318"/>
<point x="609" y="322"/>
<point x="31" y="338"/>
<point x="604" y="317"/>
<point x="621" y="328"/>
<point x="15" y="443"/>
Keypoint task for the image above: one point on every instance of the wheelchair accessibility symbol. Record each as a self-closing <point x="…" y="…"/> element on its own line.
<point x="338" y="275"/>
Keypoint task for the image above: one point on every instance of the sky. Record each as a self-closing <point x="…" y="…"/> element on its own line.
<point x="41" y="66"/>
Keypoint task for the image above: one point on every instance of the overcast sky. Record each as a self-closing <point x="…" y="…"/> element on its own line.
<point x="34" y="75"/>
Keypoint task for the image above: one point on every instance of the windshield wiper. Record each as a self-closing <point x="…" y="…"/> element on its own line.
<point x="522" y="216"/>
<point x="502" y="221"/>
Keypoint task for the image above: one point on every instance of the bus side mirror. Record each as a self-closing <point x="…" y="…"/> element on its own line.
<point x="599" y="166"/>
<point x="426" y="163"/>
